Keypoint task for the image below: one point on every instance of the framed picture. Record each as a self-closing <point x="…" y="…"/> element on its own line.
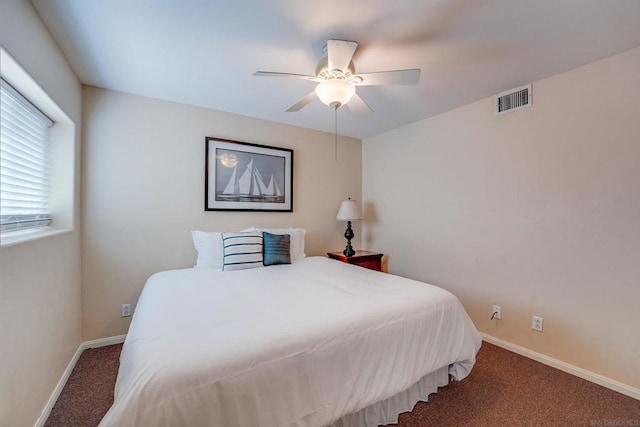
<point x="247" y="177"/>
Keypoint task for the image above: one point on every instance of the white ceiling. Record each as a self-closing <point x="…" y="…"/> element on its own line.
<point x="204" y="52"/>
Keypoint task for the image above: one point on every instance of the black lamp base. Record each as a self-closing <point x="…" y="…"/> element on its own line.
<point x="348" y="234"/>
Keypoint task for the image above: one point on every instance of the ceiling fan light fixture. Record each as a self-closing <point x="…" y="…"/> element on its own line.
<point x="335" y="92"/>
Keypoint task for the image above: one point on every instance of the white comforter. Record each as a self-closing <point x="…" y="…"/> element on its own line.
<point x="301" y="344"/>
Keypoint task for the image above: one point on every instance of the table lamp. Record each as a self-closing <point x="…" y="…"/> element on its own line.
<point x="349" y="211"/>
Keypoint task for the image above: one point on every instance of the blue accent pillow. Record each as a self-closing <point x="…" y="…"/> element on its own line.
<point x="276" y="248"/>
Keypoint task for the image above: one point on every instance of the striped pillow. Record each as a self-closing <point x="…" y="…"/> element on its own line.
<point x="241" y="250"/>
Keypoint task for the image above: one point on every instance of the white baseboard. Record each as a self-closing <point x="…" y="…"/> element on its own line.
<point x="67" y="373"/>
<point x="565" y="367"/>
<point x="103" y="342"/>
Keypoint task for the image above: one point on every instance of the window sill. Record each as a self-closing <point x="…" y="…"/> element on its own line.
<point x="12" y="238"/>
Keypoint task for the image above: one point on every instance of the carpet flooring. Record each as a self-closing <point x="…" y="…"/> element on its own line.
<point x="504" y="389"/>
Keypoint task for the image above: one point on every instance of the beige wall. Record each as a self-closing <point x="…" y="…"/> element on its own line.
<point x="144" y="192"/>
<point x="39" y="280"/>
<point x="536" y="210"/>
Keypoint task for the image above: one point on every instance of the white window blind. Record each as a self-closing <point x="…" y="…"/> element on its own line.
<point x="24" y="162"/>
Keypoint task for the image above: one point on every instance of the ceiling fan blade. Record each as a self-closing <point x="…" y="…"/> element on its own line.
<point x="396" y="77"/>
<point x="304" y="101"/>
<point x="296" y="76"/>
<point x="358" y="106"/>
<point x="339" y="54"/>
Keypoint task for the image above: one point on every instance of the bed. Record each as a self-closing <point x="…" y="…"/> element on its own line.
<point x="313" y="343"/>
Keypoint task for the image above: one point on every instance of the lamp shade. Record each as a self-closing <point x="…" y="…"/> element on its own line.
<point x="349" y="211"/>
<point x="335" y="92"/>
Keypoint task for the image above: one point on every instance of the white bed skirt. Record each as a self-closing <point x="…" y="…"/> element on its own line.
<point x="387" y="411"/>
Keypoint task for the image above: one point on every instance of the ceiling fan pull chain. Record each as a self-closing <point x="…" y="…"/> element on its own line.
<point x="335" y="116"/>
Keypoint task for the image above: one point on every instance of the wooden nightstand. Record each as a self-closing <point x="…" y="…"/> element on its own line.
<point x="366" y="259"/>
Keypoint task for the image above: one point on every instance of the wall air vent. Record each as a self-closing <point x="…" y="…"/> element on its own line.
<point x="514" y="99"/>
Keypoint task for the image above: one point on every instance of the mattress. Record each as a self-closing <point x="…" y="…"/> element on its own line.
<point x="304" y="344"/>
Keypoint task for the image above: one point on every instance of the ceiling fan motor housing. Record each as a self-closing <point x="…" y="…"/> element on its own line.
<point x="323" y="71"/>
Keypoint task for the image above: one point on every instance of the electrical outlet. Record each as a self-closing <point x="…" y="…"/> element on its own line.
<point x="497" y="312"/>
<point x="126" y="310"/>
<point x="537" y="323"/>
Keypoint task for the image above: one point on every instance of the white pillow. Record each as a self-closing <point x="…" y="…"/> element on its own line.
<point x="208" y="244"/>
<point x="242" y="250"/>
<point x="296" y="242"/>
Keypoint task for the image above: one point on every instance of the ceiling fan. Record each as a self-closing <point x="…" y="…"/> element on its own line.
<point x="337" y="79"/>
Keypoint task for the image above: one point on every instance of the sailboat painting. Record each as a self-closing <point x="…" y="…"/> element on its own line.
<point x="246" y="182"/>
<point x="243" y="176"/>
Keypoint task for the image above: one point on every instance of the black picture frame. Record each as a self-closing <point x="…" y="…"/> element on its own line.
<point x="241" y="176"/>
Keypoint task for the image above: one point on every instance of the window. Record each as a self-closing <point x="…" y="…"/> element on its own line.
<point x="24" y="162"/>
<point x="38" y="167"/>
